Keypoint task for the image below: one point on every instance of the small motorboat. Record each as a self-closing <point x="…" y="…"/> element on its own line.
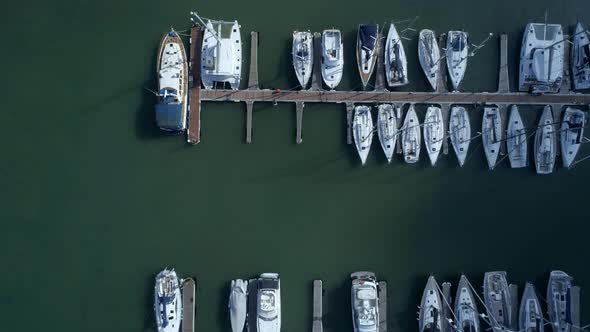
<point x="268" y="303"/>
<point x="238" y="304"/>
<point x="497" y="299"/>
<point x="411" y="137"/>
<point x="168" y="301"/>
<point x="491" y="134"/>
<point x="362" y="131"/>
<point x="580" y="58"/>
<point x="434" y="132"/>
<point x="466" y="307"/>
<point x="365" y="302"/>
<point x="572" y="134"/>
<point x="559" y="301"/>
<point x="396" y="64"/>
<point x="457" y="54"/>
<point x="516" y="140"/>
<point x="332" y="57"/>
<point x="303" y="56"/>
<point x="460" y="132"/>
<point x="366" y="51"/>
<point x="429" y="56"/>
<point x="387" y="129"/>
<point x="429" y="316"/>
<point x="530" y="316"/>
<point x="545" y="143"/>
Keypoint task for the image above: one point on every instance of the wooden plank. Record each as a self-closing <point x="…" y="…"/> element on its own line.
<point x="299" y="114"/>
<point x="317" y="325"/>
<point x="504" y="125"/>
<point x="253" y="74"/>
<point x="446" y="312"/>
<point x="382" y="288"/>
<point x="349" y="113"/>
<point x="566" y="83"/>
<point x="380" y="69"/>
<point x="400" y="122"/>
<point x="445" y="110"/>
<point x="316" y="74"/>
<point x="513" y="289"/>
<point x="557" y="110"/>
<point x="188" y="305"/>
<point x="193" y="132"/>
<point x="575" y="306"/>
<point x="249" y="107"/>
<point x="503" y="77"/>
<point x="441" y="85"/>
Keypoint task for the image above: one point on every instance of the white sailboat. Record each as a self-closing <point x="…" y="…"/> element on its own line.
<point x="387" y="129"/>
<point x="571" y="134"/>
<point x="366" y="51"/>
<point x="460" y="132"/>
<point x="559" y="301"/>
<point x="457" y="54"/>
<point x="167" y="301"/>
<point x="466" y="307"/>
<point x="238" y="304"/>
<point x="545" y="143"/>
<point x="362" y="131"/>
<point x="411" y="138"/>
<point x="516" y="140"/>
<point x="530" y="314"/>
<point x="303" y="56"/>
<point x="429" y="56"/>
<point x="429" y="316"/>
<point x="491" y="134"/>
<point x="580" y="58"/>
<point x="541" y="58"/>
<point x="433" y="132"/>
<point x="332" y="57"/>
<point x="396" y="64"/>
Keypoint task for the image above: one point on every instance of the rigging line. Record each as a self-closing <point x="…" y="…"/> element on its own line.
<point x="579" y="161"/>
<point x="152" y="91"/>
<point x="484" y="304"/>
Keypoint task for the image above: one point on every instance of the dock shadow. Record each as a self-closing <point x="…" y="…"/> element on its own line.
<point x="145" y="117"/>
<point x="338" y="307"/>
<point x="404" y="319"/>
<point x="149" y="319"/>
<point x="222" y="309"/>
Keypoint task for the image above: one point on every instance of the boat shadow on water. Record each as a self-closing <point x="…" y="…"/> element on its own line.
<point x="149" y="319"/>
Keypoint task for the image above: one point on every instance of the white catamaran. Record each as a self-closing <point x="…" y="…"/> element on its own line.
<point x="387" y="129"/>
<point x="332" y="57"/>
<point x="167" y="301"/>
<point x="396" y="64"/>
<point x="460" y="132"/>
<point x="362" y="131"/>
<point x="303" y="56"/>
<point x="433" y="132"/>
<point x="541" y="58"/>
<point x="457" y="54"/>
<point x="429" y="56"/>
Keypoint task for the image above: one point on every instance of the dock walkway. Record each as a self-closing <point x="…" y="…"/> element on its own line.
<point x="193" y="133"/>
<point x="188" y="305"/>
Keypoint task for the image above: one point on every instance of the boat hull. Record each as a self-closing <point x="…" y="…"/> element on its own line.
<point x="238" y="304"/>
<point x="396" y="64"/>
<point x="387" y="129"/>
<point x="433" y="133"/>
<point x="303" y="56"/>
<point x="364" y="302"/>
<point x="497" y="300"/>
<point x="559" y="301"/>
<point x="491" y="134"/>
<point x="411" y="138"/>
<point x="366" y="51"/>
<point x="545" y="143"/>
<point x="530" y="316"/>
<point x="362" y="131"/>
<point x="221" y="56"/>
<point x="268" y="303"/>
<point x="429" y="316"/>
<point x="167" y="301"/>
<point x="457" y="55"/>
<point x="571" y="134"/>
<point x="580" y="58"/>
<point x="332" y="57"/>
<point x="541" y="58"/>
<point x="460" y="132"/>
<point x="516" y="140"/>
<point x="466" y="307"/>
<point x="429" y="56"/>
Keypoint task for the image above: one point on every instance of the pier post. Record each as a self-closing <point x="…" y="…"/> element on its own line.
<point x="253" y="75"/>
<point x="188" y="305"/>
<point x="445" y="110"/>
<point x="446" y="312"/>
<point x="317" y="325"/>
<point x="503" y="77"/>
<point x="513" y="289"/>
<point x="249" y="107"/>
<point x="382" y="288"/>
<point x="299" y="113"/>
<point x="316" y="74"/>
<point x="380" y="70"/>
<point x="349" y="112"/>
<point x="441" y="85"/>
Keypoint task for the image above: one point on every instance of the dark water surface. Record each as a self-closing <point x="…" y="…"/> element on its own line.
<point x="95" y="200"/>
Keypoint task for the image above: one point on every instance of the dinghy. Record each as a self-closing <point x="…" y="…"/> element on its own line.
<point x="491" y="134"/>
<point x="366" y="51"/>
<point x="303" y="56"/>
<point x="580" y="58"/>
<point x="516" y="140"/>
<point x="460" y="132"/>
<point x="571" y="134"/>
<point x="332" y="57"/>
<point x="362" y="131"/>
<point x="457" y="54"/>
<point x="433" y="133"/>
<point x="530" y="314"/>
<point x="545" y="143"/>
<point x="411" y="137"/>
<point x="387" y="129"/>
<point x="396" y="64"/>
<point x="429" y="56"/>
<point x="238" y="304"/>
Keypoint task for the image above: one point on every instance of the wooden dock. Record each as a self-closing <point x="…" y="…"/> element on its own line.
<point x="382" y="289"/>
<point x="193" y="133"/>
<point x="513" y="289"/>
<point x="575" y="306"/>
<point x="446" y="311"/>
<point x="318" y="315"/>
<point x="188" y="305"/>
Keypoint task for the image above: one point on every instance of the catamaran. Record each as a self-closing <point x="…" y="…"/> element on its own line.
<point x="491" y="134"/>
<point x="332" y="57"/>
<point x="362" y="131"/>
<point x="460" y="132"/>
<point x="429" y="56"/>
<point x="387" y="129"/>
<point x="559" y="301"/>
<point x="268" y="303"/>
<point x="365" y="302"/>
<point x="411" y="137"/>
<point x="545" y="143"/>
<point x="303" y="56"/>
<point x="172" y="68"/>
<point x="429" y="317"/>
<point x="530" y="316"/>
<point x="433" y="132"/>
<point x="580" y="58"/>
<point x="167" y="301"/>
<point x="541" y="58"/>
<point x="457" y="54"/>
<point x="497" y="300"/>
<point x="466" y="307"/>
<point x="238" y="304"/>
<point x="572" y="134"/>
<point x="516" y="140"/>
<point x="366" y="51"/>
<point x="396" y="64"/>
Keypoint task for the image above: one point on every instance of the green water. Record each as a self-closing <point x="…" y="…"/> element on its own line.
<point x="95" y="200"/>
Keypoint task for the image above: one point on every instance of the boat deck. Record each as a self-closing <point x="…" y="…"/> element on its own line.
<point x="188" y="305"/>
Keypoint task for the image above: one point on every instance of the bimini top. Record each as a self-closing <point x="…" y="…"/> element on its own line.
<point x="368" y="36"/>
<point x="170" y="117"/>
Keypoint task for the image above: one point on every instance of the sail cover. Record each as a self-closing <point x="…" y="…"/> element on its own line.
<point x="368" y="36"/>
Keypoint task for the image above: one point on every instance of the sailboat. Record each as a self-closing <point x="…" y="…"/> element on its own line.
<point x="396" y="64"/>
<point x="332" y="57"/>
<point x="433" y="132"/>
<point x="238" y="304"/>
<point x="365" y="302"/>
<point x="167" y="301"/>
<point x="460" y="132"/>
<point x="362" y="131"/>
<point x="429" y="56"/>
<point x="545" y="143"/>
<point x="411" y="137"/>
<point x="571" y="134"/>
<point x="516" y="140"/>
<point x="580" y="58"/>
<point x="559" y="301"/>
<point x="303" y="56"/>
<point x="429" y="316"/>
<point x="457" y="54"/>
<point x="491" y="134"/>
<point x="466" y="307"/>
<point x="387" y="129"/>
<point x="366" y="51"/>
<point x="530" y="316"/>
<point x="497" y="300"/>
<point x="172" y="68"/>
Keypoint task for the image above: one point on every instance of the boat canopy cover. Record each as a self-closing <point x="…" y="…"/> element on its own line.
<point x="368" y="35"/>
<point x="169" y="116"/>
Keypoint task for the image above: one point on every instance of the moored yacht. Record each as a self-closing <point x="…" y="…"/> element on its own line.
<point x="172" y="68"/>
<point x="559" y="301"/>
<point x="387" y="129"/>
<point x="466" y="307"/>
<point x="433" y="132"/>
<point x="541" y="58"/>
<point x="491" y="134"/>
<point x="365" y="302"/>
<point x="268" y="303"/>
<point x="545" y="143"/>
<point x="362" y="131"/>
<point x="460" y="132"/>
<point x="332" y="57"/>
<point x="238" y="304"/>
<point x="571" y="134"/>
<point x="303" y="56"/>
<point x="366" y="51"/>
<point x="429" y="316"/>
<point x="497" y="300"/>
<point x="580" y="58"/>
<point x="396" y="64"/>
<point x="457" y="54"/>
<point x="411" y="137"/>
<point x="429" y="56"/>
<point x="167" y="301"/>
<point x="516" y="140"/>
<point x="530" y="316"/>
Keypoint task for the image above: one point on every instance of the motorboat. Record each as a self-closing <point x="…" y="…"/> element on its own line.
<point x="366" y="51"/>
<point x="396" y="64"/>
<point x="530" y="316"/>
<point x="541" y="58"/>
<point x="460" y="132"/>
<point x="303" y="56"/>
<point x="268" y="303"/>
<point x="167" y="301"/>
<point x="221" y="54"/>
<point x="429" y="56"/>
<point x="238" y="304"/>
<point x="571" y="134"/>
<point x="387" y="129"/>
<point x="491" y="134"/>
<point x="516" y="140"/>
<point x="559" y="301"/>
<point x="497" y="300"/>
<point x="466" y="307"/>
<point x="332" y="57"/>
<point x="411" y="137"/>
<point x="365" y="302"/>
<point x="457" y="54"/>
<point x="429" y="316"/>
<point x="580" y="58"/>
<point x="362" y="131"/>
<point x="545" y="143"/>
<point x="172" y="68"/>
<point x="434" y="132"/>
